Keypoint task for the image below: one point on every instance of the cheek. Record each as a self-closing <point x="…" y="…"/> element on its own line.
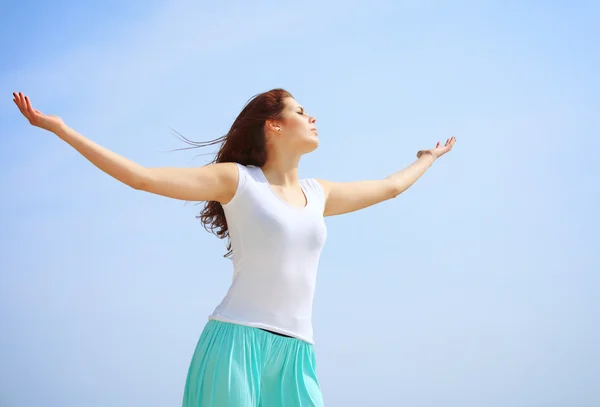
<point x="297" y="126"/>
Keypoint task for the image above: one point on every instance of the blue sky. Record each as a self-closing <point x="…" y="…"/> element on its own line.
<point x="477" y="287"/>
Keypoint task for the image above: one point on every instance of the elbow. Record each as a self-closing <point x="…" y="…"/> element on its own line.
<point x="393" y="189"/>
<point x="398" y="191"/>
<point x="138" y="182"/>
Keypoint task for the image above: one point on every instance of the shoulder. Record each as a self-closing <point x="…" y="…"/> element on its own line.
<point x="233" y="171"/>
<point x="316" y="192"/>
<point x="243" y="177"/>
<point x="314" y="186"/>
<point x="324" y="185"/>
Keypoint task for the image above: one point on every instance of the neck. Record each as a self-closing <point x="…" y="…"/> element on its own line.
<point x="282" y="169"/>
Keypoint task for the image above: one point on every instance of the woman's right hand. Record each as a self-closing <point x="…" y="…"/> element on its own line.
<point x="35" y="117"/>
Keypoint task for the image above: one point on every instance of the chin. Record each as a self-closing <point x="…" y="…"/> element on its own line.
<point x="311" y="145"/>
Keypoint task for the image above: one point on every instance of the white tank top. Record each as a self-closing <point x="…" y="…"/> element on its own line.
<point x="276" y="250"/>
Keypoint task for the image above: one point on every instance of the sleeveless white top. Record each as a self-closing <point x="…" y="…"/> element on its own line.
<point x="276" y="250"/>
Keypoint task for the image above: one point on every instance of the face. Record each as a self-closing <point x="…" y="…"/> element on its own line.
<point x="296" y="130"/>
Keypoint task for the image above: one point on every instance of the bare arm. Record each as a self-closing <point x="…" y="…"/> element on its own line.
<point x="345" y="197"/>
<point x="118" y="167"/>
<point x="215" y="182"/>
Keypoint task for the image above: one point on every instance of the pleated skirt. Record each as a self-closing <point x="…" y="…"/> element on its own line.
<point x="241" y="366"/>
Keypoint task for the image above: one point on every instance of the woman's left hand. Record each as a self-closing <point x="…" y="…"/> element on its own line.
<point x="439" y="150"/>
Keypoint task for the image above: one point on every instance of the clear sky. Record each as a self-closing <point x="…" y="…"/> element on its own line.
<point x="479" y="286"/>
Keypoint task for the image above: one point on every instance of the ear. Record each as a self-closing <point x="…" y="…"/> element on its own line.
<point x="273" y="125"/>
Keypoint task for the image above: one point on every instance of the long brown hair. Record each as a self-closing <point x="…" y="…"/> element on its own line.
<point x="244" y="144"/>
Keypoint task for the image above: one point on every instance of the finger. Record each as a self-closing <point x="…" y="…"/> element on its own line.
<point x="23" y="103"/>
<point x="17" y="101"/>
<point x="30" y="110"/>
<point x="25" y="107"/>
<point x="21" y="100"/>
<point x="28" y="104"/>
<point x="437" y="145"/>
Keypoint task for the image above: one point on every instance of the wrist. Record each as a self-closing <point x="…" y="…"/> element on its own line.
<point x="60" y="130"/>
<point x="426" y="156"/>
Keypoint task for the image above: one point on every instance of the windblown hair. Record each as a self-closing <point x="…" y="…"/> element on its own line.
<point x="243" y="144"/>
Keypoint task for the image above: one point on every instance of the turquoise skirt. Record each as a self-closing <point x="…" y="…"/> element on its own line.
<point x="241" y="366"/>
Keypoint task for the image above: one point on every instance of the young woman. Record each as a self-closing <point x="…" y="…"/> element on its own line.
<point x="257" y="346"/>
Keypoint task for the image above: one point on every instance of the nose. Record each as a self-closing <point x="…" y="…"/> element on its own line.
<point x="312" y="119"/>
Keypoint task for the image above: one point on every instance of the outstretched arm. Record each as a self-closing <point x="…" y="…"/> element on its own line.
<point x="215" y="182"/>
<point x="345" y="197"/>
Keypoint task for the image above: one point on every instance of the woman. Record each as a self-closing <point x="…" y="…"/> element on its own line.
<point x="257" y="346"/>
